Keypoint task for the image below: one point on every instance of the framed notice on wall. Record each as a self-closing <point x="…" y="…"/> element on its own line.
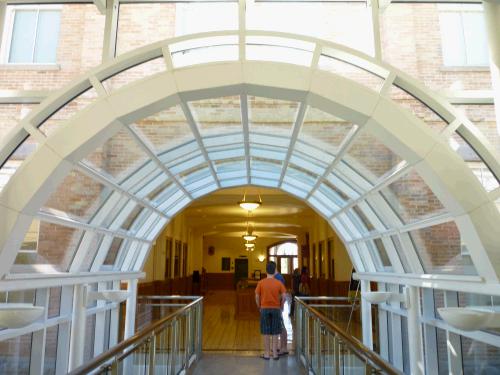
<point x="226" y="264"/>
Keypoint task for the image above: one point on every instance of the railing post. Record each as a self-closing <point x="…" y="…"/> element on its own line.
<point x="199" y="332"/>
<point x="317" y="345"/>
<point x="366" y="316"/>
<point x="152" y="354"/>
<point x="78" y="318"/>
<point x="130" y="309"/>
<point x="415" y="332"/>
<point x="336" y="354"/>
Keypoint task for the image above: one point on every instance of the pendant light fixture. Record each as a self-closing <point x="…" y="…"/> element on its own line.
<point x="250" y="205"/>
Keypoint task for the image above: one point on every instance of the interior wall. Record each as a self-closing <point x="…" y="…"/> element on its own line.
<point x="321" y="232"/>
<point x="178" y="230"/>
<point x="233" y="248"/>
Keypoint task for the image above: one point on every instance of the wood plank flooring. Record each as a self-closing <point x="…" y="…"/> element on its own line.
<point x="222" y="330"/>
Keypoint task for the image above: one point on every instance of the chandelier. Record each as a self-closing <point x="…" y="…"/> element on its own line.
<point x="250" y="205"/>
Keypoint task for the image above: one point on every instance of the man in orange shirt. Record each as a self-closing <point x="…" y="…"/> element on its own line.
<point x="270" y="297"/>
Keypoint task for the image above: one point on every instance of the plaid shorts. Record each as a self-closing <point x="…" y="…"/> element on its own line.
<point x="270" y="321"/>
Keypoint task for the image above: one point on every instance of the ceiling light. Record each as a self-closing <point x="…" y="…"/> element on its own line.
<point x="249" y="237"/>
<point x="249" y="245"/>
<point x="249" y="205"/>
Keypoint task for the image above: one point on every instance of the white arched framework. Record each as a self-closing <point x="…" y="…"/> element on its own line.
<point x="335" y="173"/>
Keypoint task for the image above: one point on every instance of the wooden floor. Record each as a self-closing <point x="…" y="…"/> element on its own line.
<point x="223" y="331"/>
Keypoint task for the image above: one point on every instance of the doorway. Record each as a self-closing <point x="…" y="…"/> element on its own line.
<point x="240" y="269"/>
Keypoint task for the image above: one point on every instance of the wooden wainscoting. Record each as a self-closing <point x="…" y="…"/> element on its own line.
<point x="219" y="281"/>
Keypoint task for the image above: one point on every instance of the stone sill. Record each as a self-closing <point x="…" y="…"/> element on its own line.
<point x="465" y="69"/>
<point x="38" y="67"/>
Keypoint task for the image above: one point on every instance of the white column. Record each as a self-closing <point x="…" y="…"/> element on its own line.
<point x="453" y="342"/>
<point x="110" y="30"/>
<point x="377" y="44"/>
<point x="492" y="20"/>
<point x="415" y="332"/>
<point x="77" y="341"/>
<point x="366" y="316"/>
<point x="130" y="309"/>
<point x="39" y="337"/>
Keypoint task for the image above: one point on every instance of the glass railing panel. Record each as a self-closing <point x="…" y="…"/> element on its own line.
<point x="325" y="348"/>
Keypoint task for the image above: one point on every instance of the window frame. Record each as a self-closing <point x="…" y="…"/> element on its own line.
<point x="9" y="29"/>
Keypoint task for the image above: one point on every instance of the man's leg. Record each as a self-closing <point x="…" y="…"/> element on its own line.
<point x="283" y="340"/>
<point x="275" y="346"/>
<point x="267" y="345"/>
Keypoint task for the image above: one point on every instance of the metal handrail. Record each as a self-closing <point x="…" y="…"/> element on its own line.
<point x="131" y="342"/>
<point x="354" y="345"/>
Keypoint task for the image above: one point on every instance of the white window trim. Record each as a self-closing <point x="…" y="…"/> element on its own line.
<point x="9" y="27"/>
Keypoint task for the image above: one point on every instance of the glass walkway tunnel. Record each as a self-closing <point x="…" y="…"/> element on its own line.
<point x="94" y="174"/>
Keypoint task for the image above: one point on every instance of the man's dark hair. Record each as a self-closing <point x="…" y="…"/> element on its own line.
<point x="271" y="268"/>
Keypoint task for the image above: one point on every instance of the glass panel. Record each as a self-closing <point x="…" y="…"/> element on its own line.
<point x="113" y="251"/>
<point x="384" y="258"/>
<point x="78" y="195"/>
<point x="479" y="358"/>
<point x="412" y="199"/>
<point x="345" y="23"/>
<point x="216" y="116"/>
<point x="23" y="36"/>
<point x="15" y="355"/>
<point x="47" y="37"/>
<point x="279" y="49"/>
<point x="165" y="129"/>
<point x="49" y="364"/>
<point x="361" y="215"/>
<point x="204" y="50"/>
<point x="284" y="266"/>
<point x="22" y="152"/>
<point x="483" y="117"/>
<point x="323" y="130"/>
<point x="271" y="116"/>
<point x="60" y="117"/>
<point x="418" y="108"/>
<point x="349" y="71"/>
<point x="370" y="158"/>
<point x="474" y="161"/>
<point x="88" y="351"/>
<point x="119" y="156"/>
<point x="135" y="73"/>
<point x="55" y="248"/>
<point x="440" y="250"/>
<point x="401" y="253"/>
<point x="171" y="19"/>
<point x="442" y="351"/>
<point x="54" y="302"/>
<point x="127" y="224"/>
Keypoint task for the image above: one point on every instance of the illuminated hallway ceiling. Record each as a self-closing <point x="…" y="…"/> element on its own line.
<point x="281" y="216"/>
<point x="191" y="129"/>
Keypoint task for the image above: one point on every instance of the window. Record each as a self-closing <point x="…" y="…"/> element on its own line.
<point x="463" y="35"/>
<point x="32" y="34"/>
<point x="286" y="256"/>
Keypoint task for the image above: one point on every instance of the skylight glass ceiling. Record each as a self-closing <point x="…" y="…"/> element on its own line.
<point x="164" y="168"/>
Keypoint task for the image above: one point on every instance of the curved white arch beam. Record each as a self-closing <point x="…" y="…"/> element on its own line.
<point x="441" y="168"/>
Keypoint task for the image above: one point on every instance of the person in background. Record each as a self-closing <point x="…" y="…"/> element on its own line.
<point x="295" y="289"/>
<point x="270" y="297"/>
<point x="305" y="282"/>
<point x="283" y="336"/>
